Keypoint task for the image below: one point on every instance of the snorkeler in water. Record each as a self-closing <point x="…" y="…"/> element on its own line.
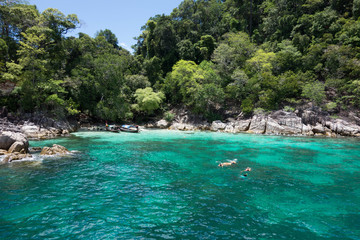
<point x="244" y="175"/>
<point x="224" y="164"/>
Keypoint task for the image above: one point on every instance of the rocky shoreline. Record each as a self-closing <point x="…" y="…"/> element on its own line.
<point x="15" y="132"/>
<point x="300" y="123"/>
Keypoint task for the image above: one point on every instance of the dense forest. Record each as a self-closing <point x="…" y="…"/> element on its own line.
<point x="207" y="55"/>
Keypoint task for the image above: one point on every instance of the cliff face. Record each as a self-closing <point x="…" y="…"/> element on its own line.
<point x="306" y="122"/>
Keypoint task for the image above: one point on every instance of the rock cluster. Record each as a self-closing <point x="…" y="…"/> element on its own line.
<point x="54" y="150"/>
<point x="37" y="128"/>
<point x="14" y="142"/>
<point x="14" y="145"/>
<point x="306" y="122"/>
<point x="15" y="132"/>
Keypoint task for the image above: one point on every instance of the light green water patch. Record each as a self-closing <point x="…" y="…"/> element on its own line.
<point x="166" y="184"/>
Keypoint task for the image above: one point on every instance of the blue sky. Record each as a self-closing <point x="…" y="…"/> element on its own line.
<point x="123" y="17"/>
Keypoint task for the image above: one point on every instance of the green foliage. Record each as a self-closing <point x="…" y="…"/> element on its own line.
<point x="288" y="57"/>
<point x="356" y="9"/>
<point x="247" y="106"/>
<point x="137" y="81"/>
<point x="289" y="109"/>
<point x="261" y="62"/>
<point x="207" y="55"/>
<point x="148" y="100"/>
<point x="315" y="92"/>
<point x="233" y="52"/>
<point x="194" y="85"/>
<point x="109" y="37"/>
<point x="330" y="106"/>
<point x="169" y="116"/>
<point x="13" y="73"/>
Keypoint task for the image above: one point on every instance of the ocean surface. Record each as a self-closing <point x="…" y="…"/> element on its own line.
<point x="161" y="184"/>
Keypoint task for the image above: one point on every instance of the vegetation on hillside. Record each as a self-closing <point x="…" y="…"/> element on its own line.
<point x="207" y="55"/>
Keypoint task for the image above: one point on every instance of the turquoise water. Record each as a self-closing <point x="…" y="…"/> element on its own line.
<point x="166" y="185"/>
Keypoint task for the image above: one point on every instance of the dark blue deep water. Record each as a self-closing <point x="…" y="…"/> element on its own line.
<point x="167" y="185"/>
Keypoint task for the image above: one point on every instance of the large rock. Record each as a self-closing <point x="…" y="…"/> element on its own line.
<point x="218" y="126"/>
<point x="258" y="124"/>
<point x="7" y="139"/>
<point x="242" y="125"/>
<point x="17" y="147"/>
<point x="344" y="128"/>
<point x="318" y="129"/>
<point x="183" y="127"/>
<point x="162" y="124"/>
<point x="32" y="131"/>
<point x="307" y="130"/>
<point x="55" y="149"/>
<point x="310" y="117"/>
<point x="291" y="123"/>
<point x="273" y="127"/>
<point x="229" y="128"/>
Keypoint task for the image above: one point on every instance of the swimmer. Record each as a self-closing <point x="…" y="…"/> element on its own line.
<point x="227" y="164"/>
<point x="244" y="175"/>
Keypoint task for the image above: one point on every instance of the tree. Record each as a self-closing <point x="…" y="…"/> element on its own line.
<point x="288" y="58"/>
<point x="196" y="86"/>
<point x="315" y="92"/>
<point x="261" y="62"/>
<point x="147" y="100"/>
<point x="33" y="55"/>
<point x="109" y="36"/>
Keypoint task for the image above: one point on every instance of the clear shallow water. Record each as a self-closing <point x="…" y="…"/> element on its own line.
<point x="166" y="185"/>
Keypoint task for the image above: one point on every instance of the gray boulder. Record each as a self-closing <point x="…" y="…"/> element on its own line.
<point x="54" y="150"/>
<point x="229" y="128"/>
<point x="162" y="124"/>
<point x="218" y="126"/>
<point x="17" y="147"/>
<point x="258" y="124"/>
<point x="7" y="139"/>
<point x="319" y="129"/>
<point x="242" y="125"/>
<point x="344" y="128"/>
<point x="289" y="122"/>
<point x="273" y="127"/>
<point x="307" y="130"/>
<point x="31" y="131"/>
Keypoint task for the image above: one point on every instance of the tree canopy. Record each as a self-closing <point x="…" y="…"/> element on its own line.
<point x="207" y="55"/>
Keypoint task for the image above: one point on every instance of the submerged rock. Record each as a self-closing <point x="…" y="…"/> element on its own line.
<point x="55" y="149"/>
<point x="15" y="157"/>
<point x="35" y="149"/>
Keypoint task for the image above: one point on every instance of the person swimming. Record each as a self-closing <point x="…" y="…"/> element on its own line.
<point x="244" y="175"/>
<point x="224" y="164"/>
